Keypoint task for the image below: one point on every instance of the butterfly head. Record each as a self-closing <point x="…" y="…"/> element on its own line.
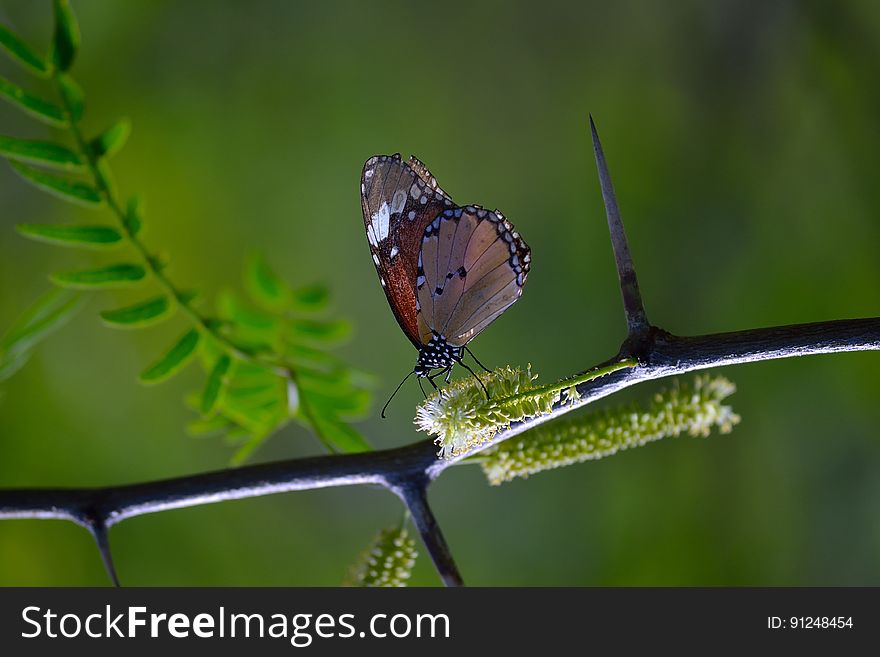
<point x="437" y="354"/>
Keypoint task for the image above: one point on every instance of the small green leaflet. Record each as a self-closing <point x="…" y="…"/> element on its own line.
<point x="47" y="314"/>
<point x="173" y="360"/>
<point x="208" y="426"/>
<point x="92" y="237"/>
<point x="65" y="42"/>
<point x="69" y="190"/>
<point x="9" y="365"/>
<point x="319" y="332"/>
<point x="39" y="152"/>
<point x="337" y="434"/>
<point x="257" y="321"/>
<point x="140" y="314"/>
<point x="250" y="442"/>
<point x="73" y="96"/>
<point x="215" y="384"/>
<point x="311" y="298"/>
<point x="21" y="52"/>
<point x="120" y="275"/>
<point x="264" y="285"/>
<point x="37" y="107"/>
<point x="133" y="220"/>
<point x="112" y="139"/>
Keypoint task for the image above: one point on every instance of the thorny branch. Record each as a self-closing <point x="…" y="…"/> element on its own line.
<point x="408" y="471"/>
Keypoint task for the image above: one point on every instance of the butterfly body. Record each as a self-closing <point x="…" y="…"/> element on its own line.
<point x="448" y="271"/>
<point x="438" y="354"/>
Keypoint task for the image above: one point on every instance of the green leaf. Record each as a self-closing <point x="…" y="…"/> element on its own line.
<point x="263" y="285"/>
<point x="120" y="275"/>
<point x="69" y="190"/>
<point x="37" y="107"/>
<point x="140" y="314"/>
<point x="304" y="357"/>
<point x="10" y="364"/>
<point x="230" y="307"/>
<point x="185" y="297"/>
<point x="310" y="298"/>
<point x="21" y="52"/>
<point x="244" y="394"/>
<point x="73" y="96"/>
<point x="337" y="433"/>
<point x="173" y="360"/>
<point x="318" y="332"/>
<point x="208" y="426"/>
<point x="214" y="384"/>
<point x="112" y="139"/>
<point x="253" y="440"/>
<point x="41" y="152"/>
<point x="93" y="237"/>
<point x="133" y="216"/>
<point x="65" y="41"/>
<point x="45" y="315"/>
<point x="353" y="405"/>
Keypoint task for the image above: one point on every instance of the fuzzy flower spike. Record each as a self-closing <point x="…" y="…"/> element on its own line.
<point x="462" y="419"/>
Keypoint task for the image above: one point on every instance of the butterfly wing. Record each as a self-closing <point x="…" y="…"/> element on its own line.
<point x="472" y="267"/>
<point x="399" y="200"/>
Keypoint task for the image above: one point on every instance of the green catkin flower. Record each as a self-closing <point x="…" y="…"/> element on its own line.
<point x="387" y="562"/>
<point x="462" y="419"/>
<point x="694" y="409"/>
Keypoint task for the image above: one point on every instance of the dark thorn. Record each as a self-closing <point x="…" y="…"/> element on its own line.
<point x="636" y="318"/>
<point x="99" y="533"/>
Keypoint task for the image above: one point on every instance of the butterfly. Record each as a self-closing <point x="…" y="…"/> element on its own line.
<point x="448" y="271"/>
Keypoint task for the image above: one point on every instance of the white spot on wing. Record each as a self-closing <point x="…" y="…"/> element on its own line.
<point x="394" y="252"/>
<point x="398" y="201"/>
<point x="376" y="259"/>
<point x="379" y="223"/>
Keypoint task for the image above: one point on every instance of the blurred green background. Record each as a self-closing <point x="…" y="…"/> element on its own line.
<point x="743" y="139"/>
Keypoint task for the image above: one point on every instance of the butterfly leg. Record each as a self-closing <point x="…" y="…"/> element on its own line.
<point x="431" y="380"/>
<point x="448" y="374"/>
<point x="473" y="374"/>
<point x="476" y="360"/>
<point x="422" y="388"/>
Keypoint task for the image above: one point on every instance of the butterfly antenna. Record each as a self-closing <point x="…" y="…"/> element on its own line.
<point x="399" y="386"/>
<point x="473" y="374"/>
<point x="476" y="360"/>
